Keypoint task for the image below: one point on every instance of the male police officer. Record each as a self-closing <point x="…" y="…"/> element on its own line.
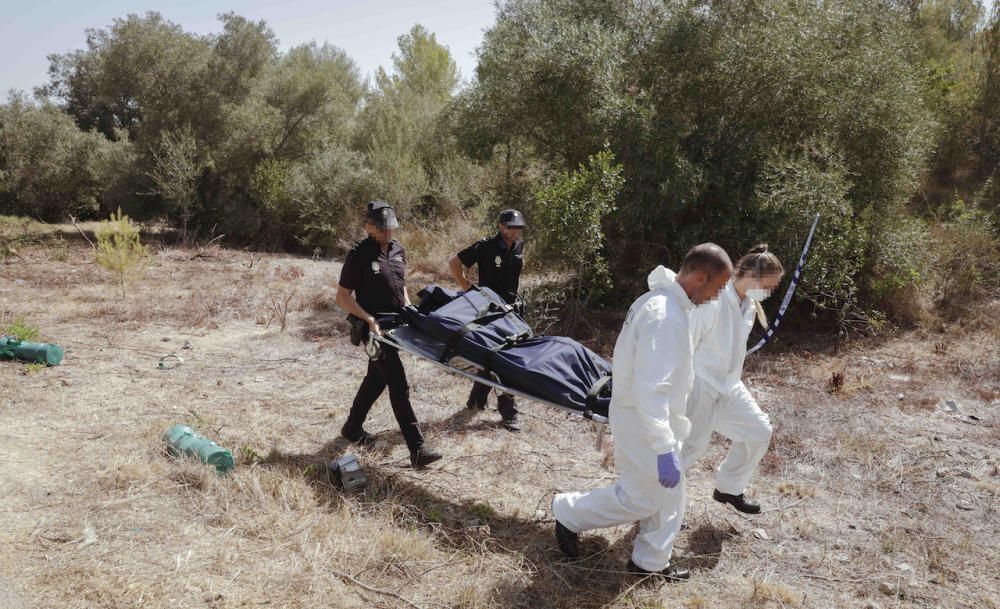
<point x="500" y="260"/>
<point x="373" y="282"/>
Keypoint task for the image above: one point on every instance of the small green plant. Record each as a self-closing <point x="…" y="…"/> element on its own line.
<point x="119" y="249"/>
<point x="34" y="367"/>
<point x="250" y="454"/>
<point x="482" y="511"/>
<point x="19" y="329"/>
<point x="433" y="514"/>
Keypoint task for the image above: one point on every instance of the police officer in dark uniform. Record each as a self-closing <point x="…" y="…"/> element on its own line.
<point x="372" y="281"/>
<point x="500" y="260"/>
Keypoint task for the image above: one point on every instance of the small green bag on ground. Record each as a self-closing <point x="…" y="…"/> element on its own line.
<point x="184" y="440"/>
<point x="39" y="353"/>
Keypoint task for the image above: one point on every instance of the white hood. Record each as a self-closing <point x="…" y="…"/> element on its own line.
<point x="661" y="277"/>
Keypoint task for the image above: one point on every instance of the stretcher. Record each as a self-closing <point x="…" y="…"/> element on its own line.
<point x="476" y="335"/>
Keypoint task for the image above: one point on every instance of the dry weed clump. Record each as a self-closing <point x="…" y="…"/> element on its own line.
<point x="762" y="593"/>
<point x="794" y="489"/>
<point x="696" y="602"/>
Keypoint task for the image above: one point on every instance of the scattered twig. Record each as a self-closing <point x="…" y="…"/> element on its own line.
<point x="389" y="593"/>
<point x="628" y="590"/>
<point x="73" y="220"/>
<point x="447" y="563"/>
<point x="843" y="580"/>
<point x="213" y="241"/>
<point x="202" y="248"/>
<point x="280" y="307"/>
<point x="784" y="507"/>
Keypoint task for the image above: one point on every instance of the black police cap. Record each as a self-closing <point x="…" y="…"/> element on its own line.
<point x="511" y="218"/>
<point x="382" y="214"/>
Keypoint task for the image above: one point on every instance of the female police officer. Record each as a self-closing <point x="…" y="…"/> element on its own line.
<point x="372" y="281"/>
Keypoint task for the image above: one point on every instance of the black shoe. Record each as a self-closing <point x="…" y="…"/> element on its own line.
<point x="473" y="405"/>
<point x="511" y="424"/>
<point x="361" y="438"/>
<point x="740" y="502"/>
<point x="569" y="542"/>
<point x="423" y="456"/>
<point x="671" y="572"/>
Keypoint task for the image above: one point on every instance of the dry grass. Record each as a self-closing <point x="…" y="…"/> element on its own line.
<point x="861" y="487"/>
<point x="764" y="593"/>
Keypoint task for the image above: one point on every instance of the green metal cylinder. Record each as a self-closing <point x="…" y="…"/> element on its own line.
<point x="183" y="440"/>
<point x="40" y="353"/>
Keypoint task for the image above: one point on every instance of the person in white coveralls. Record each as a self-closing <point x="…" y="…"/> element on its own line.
<point x="653" y="374"/>
<point x="719" y="400"/>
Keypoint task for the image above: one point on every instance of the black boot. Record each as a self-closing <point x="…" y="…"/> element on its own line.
<point x="671" y="572"/>
<point x="740" y="502"/>
<point x="511" y="423"/>
<point x="423" y="456"/>
<point x="569" y="542"/>
<point x="361" y="438"/>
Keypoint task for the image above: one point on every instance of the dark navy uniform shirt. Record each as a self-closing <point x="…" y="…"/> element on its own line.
<point x="377" y="277"/>
<point x="499" y="267"/>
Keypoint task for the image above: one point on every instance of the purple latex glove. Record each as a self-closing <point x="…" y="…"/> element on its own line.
<point x="669" y="469"/>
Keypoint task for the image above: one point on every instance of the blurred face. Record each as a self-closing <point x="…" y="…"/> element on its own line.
<point x="382" y="235"/>
<point x="758" y="288"/>
<point x="511" y="234"/>
<point x="767" y="282"/>
<point x="706" y="288"/>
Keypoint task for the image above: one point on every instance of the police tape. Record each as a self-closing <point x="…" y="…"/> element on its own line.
<point x="789" y="292"/>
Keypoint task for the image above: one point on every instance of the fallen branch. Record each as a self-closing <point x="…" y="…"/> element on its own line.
<point x="389" y="593"/>
<point x="73" y="220"/>
<point x="784" y="507"/>
<point x="845" y="580"/>
<point x="202" y="248"/>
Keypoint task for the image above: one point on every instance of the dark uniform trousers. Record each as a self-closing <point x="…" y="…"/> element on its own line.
<point x="500" y="270"/>
<point x="481" y="393"/>
<point x="386" y="371"/>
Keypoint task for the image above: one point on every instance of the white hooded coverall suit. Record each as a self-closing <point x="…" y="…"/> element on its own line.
<point x="719" y="400"/>
<point x="653" y="374"/>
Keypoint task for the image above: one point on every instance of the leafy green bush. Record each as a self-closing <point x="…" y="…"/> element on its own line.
<point x="792" y="189"/>
<point x="733" y="122"/>
<point x="49" y="169"/>
<point x="901" y="272"/>
<point x="569" y="213"/>
<point x="967" y="260"/>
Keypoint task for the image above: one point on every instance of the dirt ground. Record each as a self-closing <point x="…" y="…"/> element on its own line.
<point x="876" y="494"/>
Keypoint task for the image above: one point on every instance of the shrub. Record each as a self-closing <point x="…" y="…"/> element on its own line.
<point x="569" y="213"/>
<point x="967" y="260"/>
<point x="119" y="249"/>
<point x="49" y="169"/>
